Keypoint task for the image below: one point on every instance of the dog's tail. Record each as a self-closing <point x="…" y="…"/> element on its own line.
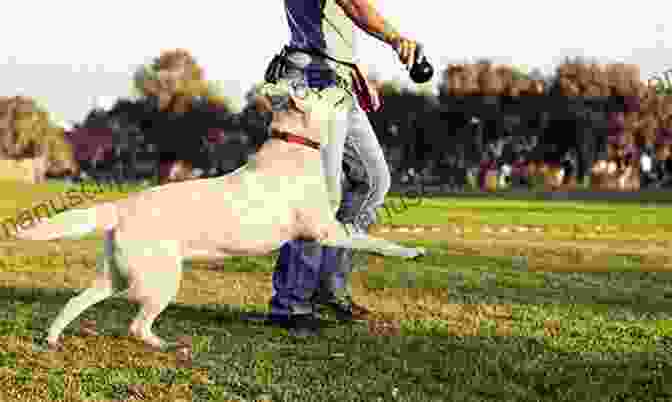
<point x="72" y="224"/>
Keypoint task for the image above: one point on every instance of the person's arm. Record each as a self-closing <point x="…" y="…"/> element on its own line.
<point x="366" y="17"/>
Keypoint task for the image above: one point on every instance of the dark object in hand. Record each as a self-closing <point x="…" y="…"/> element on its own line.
<point x="421" y="71"/>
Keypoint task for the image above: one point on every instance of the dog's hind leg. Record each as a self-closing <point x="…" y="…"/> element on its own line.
<point x="105" y="286"/>
<point x="338" y="236"/>
<point x="154" y="289"/>
<point x="100" y="291"/>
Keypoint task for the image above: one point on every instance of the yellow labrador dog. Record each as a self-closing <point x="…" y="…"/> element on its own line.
<point x="279" y="195"/>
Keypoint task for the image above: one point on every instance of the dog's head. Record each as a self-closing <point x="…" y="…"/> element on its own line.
<point x="297" y="108"/>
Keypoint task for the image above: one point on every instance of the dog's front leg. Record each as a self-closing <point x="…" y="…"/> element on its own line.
<point x="338" y="236"/>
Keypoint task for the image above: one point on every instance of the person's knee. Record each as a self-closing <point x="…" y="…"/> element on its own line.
<point x="383" y="180"/>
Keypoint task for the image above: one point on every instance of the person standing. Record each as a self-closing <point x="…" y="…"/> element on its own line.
<point x="321" y="56"/>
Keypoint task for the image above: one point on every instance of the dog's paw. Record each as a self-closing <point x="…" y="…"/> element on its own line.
<point x="415" y="253"/>
<point x="42" y="344"/>
<point x="88" y="328"/>
<point x="54" y="346"/>
<point x="183" y="356"/>
<point x="421" y="253"/>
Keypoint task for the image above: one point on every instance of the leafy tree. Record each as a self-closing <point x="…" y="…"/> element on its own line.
<point x="519" y="73"/>
<point x="664" y="89"/>
<point x="141" y="74"/>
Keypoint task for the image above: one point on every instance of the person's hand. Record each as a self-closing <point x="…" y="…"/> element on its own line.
<point x="407" y="50"/>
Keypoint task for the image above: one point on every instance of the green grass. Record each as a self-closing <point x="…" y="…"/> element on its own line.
<point x="433" y="211"/>
<point x="614" y="344"/>
<point x="614" y="326"/>
<point x="601" y="341"/>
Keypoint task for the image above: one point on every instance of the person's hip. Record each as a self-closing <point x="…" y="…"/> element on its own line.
<point x="318" y="72"/>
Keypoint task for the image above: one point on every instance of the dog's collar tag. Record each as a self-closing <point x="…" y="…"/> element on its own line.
<point x="292" y="138"/>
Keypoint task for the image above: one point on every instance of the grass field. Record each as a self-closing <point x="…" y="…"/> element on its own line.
<point x="519" y="301"/>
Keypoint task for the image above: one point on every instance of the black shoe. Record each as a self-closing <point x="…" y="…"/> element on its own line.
<point x="300" y="325"/>
<point x="344" y="312"/>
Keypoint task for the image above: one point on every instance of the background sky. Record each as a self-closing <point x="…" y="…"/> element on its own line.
<point x="68" y="52"/>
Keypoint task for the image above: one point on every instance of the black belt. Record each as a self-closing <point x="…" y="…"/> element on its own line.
<point x="316" y="53"/>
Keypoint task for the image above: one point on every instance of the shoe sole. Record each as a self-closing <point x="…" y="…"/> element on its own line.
<point x="355" y="318"/>
<point x="260" y="318"/>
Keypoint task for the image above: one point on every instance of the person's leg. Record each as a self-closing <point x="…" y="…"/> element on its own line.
<point x="292" y="295"/>
<point x="296" y="274"/>
<point x="298" y="271"/>
<point x="295" y="278"/>
<point x="369" y="177"/>
<point x="369" y="170"/>
<point x="334" y="284"/>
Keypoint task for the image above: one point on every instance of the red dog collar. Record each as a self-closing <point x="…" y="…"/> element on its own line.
<point x="292" y="138"/>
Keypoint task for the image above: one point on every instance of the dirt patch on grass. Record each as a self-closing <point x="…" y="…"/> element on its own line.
<point x="235" y="288"/>
<point x="389" y="305"/>
<point x="543" y="252"/>
<point x="85" y="353"/>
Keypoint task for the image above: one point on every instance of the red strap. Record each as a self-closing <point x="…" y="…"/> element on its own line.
<point x="292" y="138"/>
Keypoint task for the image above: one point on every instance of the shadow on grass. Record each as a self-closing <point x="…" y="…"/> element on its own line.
<point x="45" y="304"/>
<point x="347" y="363"/>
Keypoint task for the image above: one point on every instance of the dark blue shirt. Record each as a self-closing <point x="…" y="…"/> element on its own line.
<point x="330" y="32"/>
